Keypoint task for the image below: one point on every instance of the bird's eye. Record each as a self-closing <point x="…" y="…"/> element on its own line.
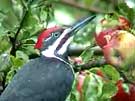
<point x="56" y="34"/>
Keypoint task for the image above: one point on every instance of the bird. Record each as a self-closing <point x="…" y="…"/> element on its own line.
<point x="50" y="76"/>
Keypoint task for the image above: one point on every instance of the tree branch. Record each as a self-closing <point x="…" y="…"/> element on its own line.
<point x="14" y="40"/>
<point x="80" y="6"/>
<point x="77" y="50"/>
<point x="126" y="80"/>
<point x="90" y="64"/>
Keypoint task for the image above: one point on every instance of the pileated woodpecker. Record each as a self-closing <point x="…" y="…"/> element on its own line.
<point x="49" y="77"/>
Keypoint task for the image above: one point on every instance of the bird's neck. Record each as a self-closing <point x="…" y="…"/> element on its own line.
<point x="53" y="54"/>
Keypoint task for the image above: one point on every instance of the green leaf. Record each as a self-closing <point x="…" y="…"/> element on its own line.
<point x="27" y="49"/>
<point x="4" y="62"/>
<point x="16" y="62"/>
<point x="126" y="11"/>
<point x="109" y="90"/>
<point x="92" y="87"/>
<point x="10" y="22"/>
<point x="30" y="41"/>
<point x="25" y="35"/>
<point x="74" y="94"/>
<point x="5" y="5"/>
<point x="111" y="73"/>
<point x="18" y="8"/>
<point x="91" y="90"/>
<point x="128" y="66"/>
<point x="87" y="54"/>
<point x="30" y="26"/>
<point x="4" y="44"/>
<point x="1" y="76"/>
<point x="22" y="55"/>
<point x="10" y="75"/>
<point x="85" y="87"/>
<point x="30" y="20"/>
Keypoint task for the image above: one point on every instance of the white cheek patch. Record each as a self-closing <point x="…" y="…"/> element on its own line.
<point x="51" y="49"/>
<point x="63" y="49"/>
<point x="60" y="38"/>
<point x="48" y="53"/>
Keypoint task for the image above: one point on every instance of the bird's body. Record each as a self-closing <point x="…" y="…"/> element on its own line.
<point x="49" y="77"/>
<point x="40" y="81"/>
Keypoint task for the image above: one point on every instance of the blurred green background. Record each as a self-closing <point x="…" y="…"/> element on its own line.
<point x="21" y="21"/>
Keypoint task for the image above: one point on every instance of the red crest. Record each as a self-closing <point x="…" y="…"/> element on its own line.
<point x="45" y="34"/>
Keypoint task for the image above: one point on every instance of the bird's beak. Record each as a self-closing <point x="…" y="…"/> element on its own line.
<point x="79" y="24"/>
<point x="67" y="35"/>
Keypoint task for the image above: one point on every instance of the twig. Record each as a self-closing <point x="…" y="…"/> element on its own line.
<point x="78" y="50"/>
<point x="126" y="80"/>
<point x="90" y="64"/>
<point x="14" y="40"/>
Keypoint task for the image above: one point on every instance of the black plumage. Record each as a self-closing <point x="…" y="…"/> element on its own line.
<point x="35" y="81"/>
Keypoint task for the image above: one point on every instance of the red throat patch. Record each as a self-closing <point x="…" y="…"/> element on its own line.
<point x="45" y="34"/>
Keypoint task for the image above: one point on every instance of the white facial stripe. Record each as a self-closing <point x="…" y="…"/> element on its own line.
<point x="51" y="49"/>
<point x="64" y="47"/>
<point x="48" y="38"/>
<point x="55" y="45"/>
<point x="49" y="53"/>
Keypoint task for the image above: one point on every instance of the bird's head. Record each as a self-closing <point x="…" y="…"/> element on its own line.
<point x="54" y="41"/>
